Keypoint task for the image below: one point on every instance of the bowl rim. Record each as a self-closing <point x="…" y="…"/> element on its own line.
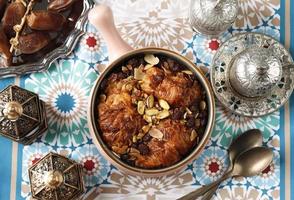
<point x="110" y="156"/>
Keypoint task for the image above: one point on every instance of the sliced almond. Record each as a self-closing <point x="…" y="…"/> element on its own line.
<point x="150" y="101"/>
<point x="185" y="115"/>
<point x="151" y="111"/>
<point x="140" y="136"/>
<point x="162" y="114"/>
<point x="124" y="69"/>
<point x="102" y="97"/>
<point x="193" y="135"/>
<point x="156" y="133"/>
<point x="129" y="67"/>
<point x="147" y="118"/>
<point x="189" y="111"/>
<point x="163" y="103"/>
<point x="148" y="66"/>
<point x="202" y="105"/>
<point x="187" y="72"/>
<point x="151" y="59"/>
<point x="141" y="107"/>
<point x="138" y="74"/>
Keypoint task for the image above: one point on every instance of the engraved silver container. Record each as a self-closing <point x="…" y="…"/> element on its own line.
<point x="252" y="74"/>
<point x="62" y="51"/>
<point x="212" y="17"/>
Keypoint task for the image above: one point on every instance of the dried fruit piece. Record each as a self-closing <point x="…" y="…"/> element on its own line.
<point x="5" y="54"/>
<point x="60" y="5"/>
<point x="12" y="16"/>
<point x="193" y="135"/>
<point x="33" y="42"/>
<point x="164" y="104"/>
<point x="141" y="107"/>
<point x="138" y="74"/>
<point x="162" y="114"/>
<point x="156" y="133"/>
<point x="45" y="20"/>
<point x="202" y="105"/>
<point x="143" y="148"/>
<point x="151" y="59"/>
<point x="150" y="101"/>
<point x="151" y="111"/>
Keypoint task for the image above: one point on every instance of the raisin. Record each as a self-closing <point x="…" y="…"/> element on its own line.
<point x="146" y="138"/>
<point x="178" y="113"/>
<point x="143" y="148"/>
<point x="191" y="122"/>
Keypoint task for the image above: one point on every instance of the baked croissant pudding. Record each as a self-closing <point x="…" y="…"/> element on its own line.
<point x="152" y="112"/>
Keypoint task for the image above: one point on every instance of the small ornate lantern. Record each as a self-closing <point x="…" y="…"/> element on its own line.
<point x="22" y="114"/>
<point x="56" y="177"/>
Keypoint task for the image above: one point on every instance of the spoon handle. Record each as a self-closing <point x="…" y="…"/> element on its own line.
<point x="208" y="195"/>
<point x="199" y="192"/>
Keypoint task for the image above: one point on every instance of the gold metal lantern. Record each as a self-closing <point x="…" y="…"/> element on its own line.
<point x="22" y="115"/>
<point x="56" y="177"/>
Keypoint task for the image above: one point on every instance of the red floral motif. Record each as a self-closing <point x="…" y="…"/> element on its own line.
<point x="213" y="167"/>
<point x="91" y="41"/>
<point x="89" y="165"/>
<point x="34" y="158"/>
<point x="213" y="44"/>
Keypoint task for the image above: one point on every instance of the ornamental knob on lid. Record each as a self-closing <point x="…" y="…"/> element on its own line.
<point x="22" y="115"/>
<point x="212" y="17"/>
<point x="56" y="177"/>
<point x="255" y="71"/>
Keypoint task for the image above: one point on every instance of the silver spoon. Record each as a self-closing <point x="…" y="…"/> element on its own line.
<point x="248" y="163"/>
<point x="245" y="141"/>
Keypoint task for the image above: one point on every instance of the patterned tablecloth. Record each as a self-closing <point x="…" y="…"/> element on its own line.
<point x="65" y="88"/>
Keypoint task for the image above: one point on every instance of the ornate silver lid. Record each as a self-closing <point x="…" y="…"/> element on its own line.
<point x="252" y="74"/>
<point x="212" y="17"/>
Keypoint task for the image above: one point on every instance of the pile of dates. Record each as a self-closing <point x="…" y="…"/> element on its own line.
<point x="44" y="28"/>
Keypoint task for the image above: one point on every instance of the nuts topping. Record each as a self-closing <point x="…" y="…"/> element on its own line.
<point x="146" y="128"/>
<point x="143" y="148"/>
<point x="148" y="66"/>
<point x="150" y="101"/>
<point x="151" y="59"/>
<point x="147" y="118"/>
<point x="187" y="72"/>
<point x="162" y="114"/>
<point x="151" y="111"/>
<point x="164" y="104"/>
<point x="193" y="135"/>
<point x="141" y="107"/>
<point x="156" y="133"/>
<point x="138" y="74"/>
<point x="202" y="105"/>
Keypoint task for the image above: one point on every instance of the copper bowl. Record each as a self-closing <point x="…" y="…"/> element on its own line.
<point x="120" y="52"/>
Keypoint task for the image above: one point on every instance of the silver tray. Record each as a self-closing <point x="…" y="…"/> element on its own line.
<point x="62" y="51"/>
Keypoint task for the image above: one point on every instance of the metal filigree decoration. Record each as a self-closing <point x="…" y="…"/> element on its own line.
<point x="22" y="114"/>
<point x="261" y="83"/>
<point x="56" y="177"/>
<point x="212" y="17"/>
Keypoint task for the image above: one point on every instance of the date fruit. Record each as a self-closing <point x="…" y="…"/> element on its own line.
<point x="12" y="16"/>
<point x="60" y="5"/>
<point x="5" y="54"/>
<point x="45" y="20"/>
<point x="33" y="42"/>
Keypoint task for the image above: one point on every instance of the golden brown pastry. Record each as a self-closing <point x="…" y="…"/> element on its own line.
<point x="152" y="113"/>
